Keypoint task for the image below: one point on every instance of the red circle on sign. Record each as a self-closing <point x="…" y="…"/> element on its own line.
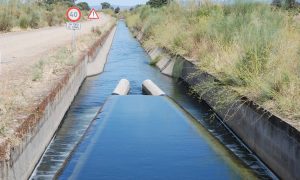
<point x="68" y="15"/>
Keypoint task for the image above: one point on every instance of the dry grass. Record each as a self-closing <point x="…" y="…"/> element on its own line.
<point x="16" y="15"/>
<point x="252" y="48"/>
<point x="19" y="97"/>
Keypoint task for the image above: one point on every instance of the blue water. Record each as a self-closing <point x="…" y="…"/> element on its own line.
<point x="220" y="154"/>
<point x="145" y="137"/>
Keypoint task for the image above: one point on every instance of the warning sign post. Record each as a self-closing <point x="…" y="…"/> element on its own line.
<point x="93" y="14"/>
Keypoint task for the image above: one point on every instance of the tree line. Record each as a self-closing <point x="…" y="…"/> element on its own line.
<point x="106" y="5"/>
<point x="285" y="3"/>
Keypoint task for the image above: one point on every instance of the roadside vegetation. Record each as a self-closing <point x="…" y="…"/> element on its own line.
<point x="20" y="98"/>
<point x="252" y="48"/>
<point x="16" y="15"/>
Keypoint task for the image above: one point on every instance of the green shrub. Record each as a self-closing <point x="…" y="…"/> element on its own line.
<point x="24" y="22"/>
<point x="51" y="18"/>
<point x="157" y="3"/>
<point x="83" y="6"/>
<point x="34" y="20"/>
<point x="6" y="23"/>
<point x="155" y="60"/>
<point x="38" y="70"/>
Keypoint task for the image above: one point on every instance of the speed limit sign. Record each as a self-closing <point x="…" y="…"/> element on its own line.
<point x="73" y="14"/>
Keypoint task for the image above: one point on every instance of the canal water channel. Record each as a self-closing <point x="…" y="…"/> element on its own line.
<point x="216" y="153"/>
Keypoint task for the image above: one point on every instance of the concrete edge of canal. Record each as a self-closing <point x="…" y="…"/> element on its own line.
<point x="37" y="131"/>
<point x="273" y="140"/>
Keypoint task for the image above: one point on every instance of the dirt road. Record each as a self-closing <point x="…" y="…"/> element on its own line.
<point x="24" y="48"/>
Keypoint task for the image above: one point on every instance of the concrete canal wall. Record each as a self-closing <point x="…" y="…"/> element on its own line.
<point x="97" y="56"/>
<point x="275" y="142"/>
<point x="39" y="127"/>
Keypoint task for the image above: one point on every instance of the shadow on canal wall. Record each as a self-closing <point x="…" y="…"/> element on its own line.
<point x="39" y="127"/>
<point x="273" y="140"/>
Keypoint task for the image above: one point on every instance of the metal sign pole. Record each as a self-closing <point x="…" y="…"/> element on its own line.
<point x="73" y="14"/>
<point x="74" y="41"/>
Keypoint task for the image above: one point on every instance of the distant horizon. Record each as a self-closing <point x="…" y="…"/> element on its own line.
<point x="130" y="3"/>
<point x="126" y="3"/>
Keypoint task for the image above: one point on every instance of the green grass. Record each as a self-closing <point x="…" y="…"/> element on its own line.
<point x="155" y="60"/>
<point x="38" y="71"/>
<point x="252" y="48"/>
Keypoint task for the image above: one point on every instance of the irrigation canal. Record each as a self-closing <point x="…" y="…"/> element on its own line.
<point x="179" y="139"/>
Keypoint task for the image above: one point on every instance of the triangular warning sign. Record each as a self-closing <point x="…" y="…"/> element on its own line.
<point x="93" y="14"/>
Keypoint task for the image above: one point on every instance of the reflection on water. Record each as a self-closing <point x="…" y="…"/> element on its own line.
<point x="128" y="60"/>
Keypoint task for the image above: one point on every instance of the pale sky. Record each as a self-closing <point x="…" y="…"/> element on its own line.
<point x="135" y="2"/>
<point x="115" y="2"/>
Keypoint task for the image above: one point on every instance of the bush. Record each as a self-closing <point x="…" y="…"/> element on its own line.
<point x="83" y="6"/>
<point x="35" y="20"/>
<point x="117" y="10"/>
<point x="105" y="5"/>
<point x="6" y="20"/>
<point x="6" y="23"/>
<point x="157" y="3"/>
<point x="51" y="18"/>
<point x="24" y="22"/>
<point x="38" y="70"/>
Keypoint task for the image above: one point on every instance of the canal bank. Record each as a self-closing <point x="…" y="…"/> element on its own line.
<point x="18" y="161"/>
<point x="272" y="139"/>
<point x="127" y="59"/>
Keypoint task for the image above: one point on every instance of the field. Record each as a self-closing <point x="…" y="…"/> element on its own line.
<point x="251" y="48"/>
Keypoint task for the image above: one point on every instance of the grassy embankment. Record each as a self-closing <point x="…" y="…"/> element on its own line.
<point x="252" y="48"/>
<point x="15" y="15"/>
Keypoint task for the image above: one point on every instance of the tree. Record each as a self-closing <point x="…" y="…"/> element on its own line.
<point x="157" y="3"/>
<point x="83" y="6"/>
<point x="290" y="3"/>
<point x="285" y="3"/>
<point x="276" y="3"/>
<point x="56" y="1"/>
<point x="117" y="10"/>
<point x="106" y="5"/>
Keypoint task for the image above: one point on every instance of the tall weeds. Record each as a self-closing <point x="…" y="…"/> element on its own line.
<point x="31" y="14"/>
<point x="252" y="48"/>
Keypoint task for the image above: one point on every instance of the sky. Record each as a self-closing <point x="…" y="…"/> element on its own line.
<point x="134" y="2"/>
<point x="115" y="2"/>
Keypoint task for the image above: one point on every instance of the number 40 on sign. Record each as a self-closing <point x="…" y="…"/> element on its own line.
<point x="73" y="14"/>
